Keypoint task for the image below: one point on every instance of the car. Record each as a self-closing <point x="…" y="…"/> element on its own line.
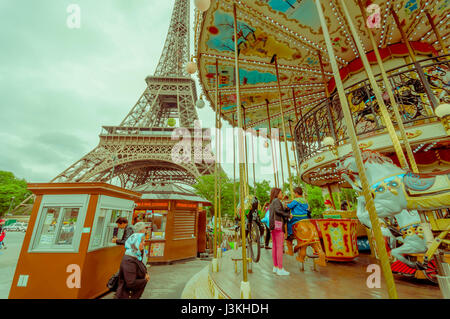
<point x="12" y="227"/>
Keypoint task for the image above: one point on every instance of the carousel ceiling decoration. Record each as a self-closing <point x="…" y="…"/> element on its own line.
<point x="290" y="29"/>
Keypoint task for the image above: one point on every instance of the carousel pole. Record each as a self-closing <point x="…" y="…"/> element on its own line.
<point x="234" y="169"/>
<point x="436" y="32"/>
<point x="219" y="126"/>
<point x="295" y="153"/>
<point x="370" y="206"/>
<point x="324" y="79"/>
<point x="295" y="104"/>
<point x="281" y="160"/>
<point x="215" y="265"/>
<point x="246" y="149"/>
<point x="422" y="77"/>
<point x="245" y="285"/>
<point x="253" y="160"/>
<point x="388" y="87"/>
<point x="376" y="89"/>
<point x="275" y="59"/>
<point x="275" y="171"/>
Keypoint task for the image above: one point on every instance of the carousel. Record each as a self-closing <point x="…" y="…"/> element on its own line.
<point x="347" y="94"/>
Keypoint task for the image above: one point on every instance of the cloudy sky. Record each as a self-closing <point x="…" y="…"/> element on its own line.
<point x="59" y="85"/>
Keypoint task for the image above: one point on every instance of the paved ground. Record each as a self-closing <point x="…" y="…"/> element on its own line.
<point x="168" y="281"/>
<point x="8" y="261"/>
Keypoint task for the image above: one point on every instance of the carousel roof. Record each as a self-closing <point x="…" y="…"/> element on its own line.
<point x="291" y="29"/>
<point x="169" y="191"/>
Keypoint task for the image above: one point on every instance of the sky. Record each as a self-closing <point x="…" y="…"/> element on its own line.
<point x="60" y="85"/>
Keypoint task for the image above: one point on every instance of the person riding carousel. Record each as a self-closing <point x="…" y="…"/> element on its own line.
<point x="299" y="210"/>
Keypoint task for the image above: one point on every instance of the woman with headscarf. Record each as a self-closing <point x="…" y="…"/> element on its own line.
<point x="133" y="276"/>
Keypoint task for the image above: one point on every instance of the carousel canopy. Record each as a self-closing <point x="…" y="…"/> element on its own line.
<point x="170" y="191"/>
<point x="291" y="30"/>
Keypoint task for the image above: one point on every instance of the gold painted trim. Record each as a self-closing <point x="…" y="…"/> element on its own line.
<point x="411" y="135"/>
<point x="319" y="159"/>
<point x="365" y="145"/>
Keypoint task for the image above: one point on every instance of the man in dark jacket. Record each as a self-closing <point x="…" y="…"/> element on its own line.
<point x="122" y="223"/>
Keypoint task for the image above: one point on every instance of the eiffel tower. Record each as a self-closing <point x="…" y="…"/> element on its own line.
<point x="138" y="151"/>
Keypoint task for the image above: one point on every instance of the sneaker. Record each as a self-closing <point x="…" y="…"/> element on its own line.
<point x="275" y="269"/>
<point x="282" y="272"/>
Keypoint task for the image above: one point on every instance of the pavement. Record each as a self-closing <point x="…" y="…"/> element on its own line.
<point x="169" y="281"/>
<point x="166" y="281"/>
<point x="8" y="261"/>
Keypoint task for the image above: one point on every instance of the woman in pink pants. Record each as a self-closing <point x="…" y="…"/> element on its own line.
<point x="278" y="215"/>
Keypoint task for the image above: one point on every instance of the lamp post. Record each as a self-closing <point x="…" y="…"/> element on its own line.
<point x="10" y="204"/>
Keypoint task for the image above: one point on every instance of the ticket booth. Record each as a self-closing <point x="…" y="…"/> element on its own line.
<point x="67" y="251"/>
<point x="176" y="219"/>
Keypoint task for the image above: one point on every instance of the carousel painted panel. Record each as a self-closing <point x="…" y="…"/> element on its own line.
<point x="339" y="238"/>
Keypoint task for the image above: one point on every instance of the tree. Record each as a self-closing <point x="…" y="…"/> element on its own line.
<point x="10" y="187"/>
<point x="262" y="191"/>
<point x="205" y="188"/>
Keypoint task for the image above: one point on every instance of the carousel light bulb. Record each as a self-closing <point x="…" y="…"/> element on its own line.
<point x="191" y="67"/>
<point x="328" y="141"/>
<point x="200" y="103"/>
<point x="442" y="110"/>
<point x="202" y="5"/>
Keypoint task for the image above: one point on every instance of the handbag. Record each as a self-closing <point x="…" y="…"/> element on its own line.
<point x="278" y="225"/>
<point x="113" y="282"/>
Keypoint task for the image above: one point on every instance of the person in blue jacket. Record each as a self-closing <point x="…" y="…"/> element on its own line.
<point x="265" y="221"/>
<point x="299" y="210"/>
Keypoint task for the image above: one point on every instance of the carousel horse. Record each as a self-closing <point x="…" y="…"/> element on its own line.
<point x="306" y="235"/>
<point x="395" y="189"/>
<point x="411" y="232"/>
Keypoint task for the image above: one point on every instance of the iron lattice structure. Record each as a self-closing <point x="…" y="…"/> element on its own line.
<point x="139" y="150"/>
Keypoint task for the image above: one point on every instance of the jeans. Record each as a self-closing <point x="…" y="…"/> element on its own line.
<point x="277" y="248"/>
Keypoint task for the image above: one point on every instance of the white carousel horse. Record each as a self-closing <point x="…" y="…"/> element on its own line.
<point x="395" y="189"/>
<point x="409" y="225"/>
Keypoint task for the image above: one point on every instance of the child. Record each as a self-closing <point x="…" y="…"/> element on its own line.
<point x="299" y="209"/>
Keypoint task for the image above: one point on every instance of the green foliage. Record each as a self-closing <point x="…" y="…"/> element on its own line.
<point x="262" y="191"/>
<point x="10" y="187"/>
<point x="205" y="188"/>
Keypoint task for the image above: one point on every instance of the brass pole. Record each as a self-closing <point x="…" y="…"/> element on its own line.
<point x="436" y="31"/>
<point x="370" y="206"/>
<point x="384" y="113"/>
<point x="284" y="127"/>
<point x="295" y="104"/>
<point x="281" y="160"/>
<point x="324" y="79"/>
<point x="216" y="98"/>
<point x="220" y="177"/>
<point x="388" y="87"/>
<point x="295" y="153"/>
<point x="275" y="171"/>
<point x="241" y="147"/>
<point x="422" y="77"/>
<point x="331" y="196"/>
<point x="234" y="168"/>
<point x="253" y="159"/>
<point x="246" y="150"/>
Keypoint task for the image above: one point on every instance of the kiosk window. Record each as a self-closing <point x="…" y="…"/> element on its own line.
<point x="159" y="224"/>
<point x="57" y="227"/>
<point x="104" y="226"/>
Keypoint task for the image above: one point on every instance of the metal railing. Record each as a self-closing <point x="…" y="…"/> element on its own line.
<point x="418" y="88"/>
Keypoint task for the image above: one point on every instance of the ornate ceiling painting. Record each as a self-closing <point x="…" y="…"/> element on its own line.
<point x="291" y="30"/>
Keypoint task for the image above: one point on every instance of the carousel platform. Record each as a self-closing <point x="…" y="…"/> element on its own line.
<point x="339" y="280"/>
